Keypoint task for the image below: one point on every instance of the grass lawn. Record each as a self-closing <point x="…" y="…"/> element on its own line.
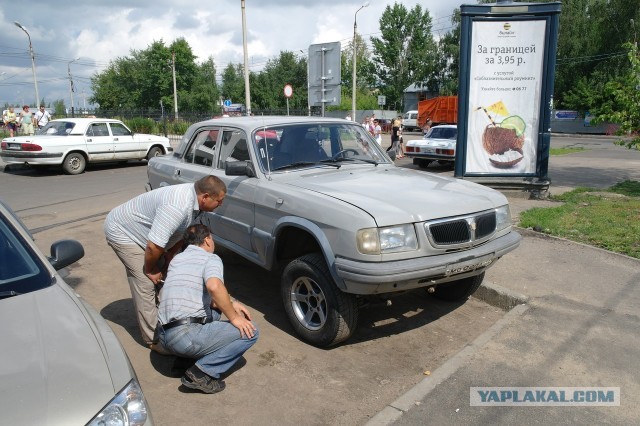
<point x="609" y="218"/>
<point x="563" y="151"/>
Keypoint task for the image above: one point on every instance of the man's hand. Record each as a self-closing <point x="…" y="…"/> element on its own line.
<point x="241" y="309"/>
<point x="246" y="327"/>
<point x="155" y="277"/>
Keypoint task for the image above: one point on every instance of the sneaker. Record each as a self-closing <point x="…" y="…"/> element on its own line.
<point x="206" y="384"/>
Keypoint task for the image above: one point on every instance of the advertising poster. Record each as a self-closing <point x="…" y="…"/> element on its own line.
<point x="505" y="86"/>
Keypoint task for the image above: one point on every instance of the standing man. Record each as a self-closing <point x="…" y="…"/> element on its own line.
<point x="42" y="117"/>
<point x="191" y="301"/>
<point x="146" y="231"/>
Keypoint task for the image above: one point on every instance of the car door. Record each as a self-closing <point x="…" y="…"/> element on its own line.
<point x="99" y="142"/>
<point x="234" y="220"/>
<point x="125" y="144"/>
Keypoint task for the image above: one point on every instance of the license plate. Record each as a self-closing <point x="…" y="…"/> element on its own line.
<point x="469" y="265"/>
<point x="428" y="149"/>
<point x="14" y="146"/>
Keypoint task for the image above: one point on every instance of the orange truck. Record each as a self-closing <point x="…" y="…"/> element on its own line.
<point x="440" y="110"/>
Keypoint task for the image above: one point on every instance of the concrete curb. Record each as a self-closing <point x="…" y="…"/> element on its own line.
<point x="500" y="297"/>
<point x="415" y="395"/>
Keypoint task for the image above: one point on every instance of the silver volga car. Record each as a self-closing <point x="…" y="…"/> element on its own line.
<point x="60" y="363"/>
<point x="320" y="201"/>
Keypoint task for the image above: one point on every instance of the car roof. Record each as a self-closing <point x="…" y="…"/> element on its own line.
<point x="85" y="120"/>
<point x="256" y="121"/>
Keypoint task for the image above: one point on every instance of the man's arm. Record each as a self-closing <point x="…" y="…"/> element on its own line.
<point x="152" y="254"/>
<point x="238" y="317"/>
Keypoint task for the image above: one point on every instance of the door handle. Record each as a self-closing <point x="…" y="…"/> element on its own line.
<point x="115" y="139"/>
<point x="89" y="140"/>
<point x="177" y="172"/>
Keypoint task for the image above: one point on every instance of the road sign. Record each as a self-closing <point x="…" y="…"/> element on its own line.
<point x="227" y="102"/>
<point x="382" y="100"/>
<point x="288" y="90"/>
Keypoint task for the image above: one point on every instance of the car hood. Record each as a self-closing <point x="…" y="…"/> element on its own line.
<point x="393" y="195"/>
<point x="55" y="367"/>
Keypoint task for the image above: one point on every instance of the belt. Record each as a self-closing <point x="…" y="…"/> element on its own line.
<point x="199" y="320"/>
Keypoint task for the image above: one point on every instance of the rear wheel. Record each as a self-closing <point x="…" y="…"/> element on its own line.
<point x="320" y="313"/>
<point x="154" y="152"/>
<point x="74" y="163"/>
<point x="460" y="290"/>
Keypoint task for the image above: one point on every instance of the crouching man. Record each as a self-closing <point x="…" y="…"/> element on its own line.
<point x="191" y="301"/>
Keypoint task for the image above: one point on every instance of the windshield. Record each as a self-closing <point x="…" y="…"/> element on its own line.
<point x="442" y="133"/>
<point x="281" y="147"/>
<point x="57" y="128"/>
<point x="20" y="269"/>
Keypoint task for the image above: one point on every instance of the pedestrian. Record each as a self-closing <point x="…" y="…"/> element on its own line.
<point x="395" y="136"/>
<point x="42" y="117"/>
<point x="427" y="126"/>
<point x="191" y="302"/>
<point x="400" y="151"/>
<point x="10" y="121"/>
<point x="377" y="132"/>
<point x="146" y="232"/>
<point x="26" y="121"/>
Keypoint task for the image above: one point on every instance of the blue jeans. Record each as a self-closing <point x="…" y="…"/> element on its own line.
<point x="216" y="345"/>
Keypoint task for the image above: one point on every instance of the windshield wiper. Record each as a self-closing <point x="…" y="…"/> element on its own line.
<point x="303" y="163"/>
<point x="365" y="160"/>
<point x="8" y="294"/>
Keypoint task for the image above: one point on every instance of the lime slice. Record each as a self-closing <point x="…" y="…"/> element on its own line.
<point x="514" y="122"/>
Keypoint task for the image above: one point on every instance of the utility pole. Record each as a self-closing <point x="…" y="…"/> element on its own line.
<point x="247" y="92"/>
<point x="175" y="93"/>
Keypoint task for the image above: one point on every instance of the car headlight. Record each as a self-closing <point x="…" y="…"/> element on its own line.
<point x="387" y="240"/>
<point x="127" y="408"/>
<point x="503" y="217"/>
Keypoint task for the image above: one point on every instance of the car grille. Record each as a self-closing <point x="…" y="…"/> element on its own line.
<point x="464" y="231"/>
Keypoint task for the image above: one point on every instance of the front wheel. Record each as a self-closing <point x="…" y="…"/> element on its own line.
<point x="320" y="313"/>
<point x="74" y="163"/>
<point x="460" y="290"/>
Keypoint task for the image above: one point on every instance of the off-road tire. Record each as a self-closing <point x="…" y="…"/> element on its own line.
<point x="74" y="163"/>
<point x="320" y="313"/>
<point x="460" y="290"/>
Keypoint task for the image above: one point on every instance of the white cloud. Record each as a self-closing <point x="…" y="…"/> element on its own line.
<point x="101" y="31"/>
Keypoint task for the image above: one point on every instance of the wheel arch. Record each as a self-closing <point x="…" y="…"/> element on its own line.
<point x="295" y="237"/>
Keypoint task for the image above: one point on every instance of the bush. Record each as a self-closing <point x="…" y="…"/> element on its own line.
<point x="178" y="127"/>
<point x="142" y="125"/>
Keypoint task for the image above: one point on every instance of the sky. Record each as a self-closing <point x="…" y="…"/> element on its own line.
<point x="99" y="31"/>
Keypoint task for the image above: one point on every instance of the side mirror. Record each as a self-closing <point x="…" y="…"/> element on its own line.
<point x="239" y="168"/>
<point x="64" y="253"/>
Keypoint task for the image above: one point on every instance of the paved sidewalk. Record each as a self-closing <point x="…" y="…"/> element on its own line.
<point x="578" y="328"/>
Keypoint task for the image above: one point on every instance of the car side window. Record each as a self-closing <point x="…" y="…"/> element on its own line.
<point x="233" y="147"/>
<point x="118" y="129"/>
<point x="202" y="149"/>
<point x="98" y="129"/>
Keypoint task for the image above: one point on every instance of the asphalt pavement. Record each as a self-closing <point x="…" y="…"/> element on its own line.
<point x="573" y="322"/>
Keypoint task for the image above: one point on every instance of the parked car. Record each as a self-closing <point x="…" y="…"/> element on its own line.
<point x="438" y="144"/>
<point x="61" y="363"/>
<point x="410" y="121"/>
<point x="318" y="200"/>
<point x="74" y="142"/>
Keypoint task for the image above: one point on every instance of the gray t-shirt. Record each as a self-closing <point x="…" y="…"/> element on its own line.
<point x="184" y="294"/>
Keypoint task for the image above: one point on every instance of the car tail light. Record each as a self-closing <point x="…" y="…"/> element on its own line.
<point x="445" y="151"/>
<point x="3" y="145"/>
<point x="30" y="147"/>
<point x="409" y="149"/>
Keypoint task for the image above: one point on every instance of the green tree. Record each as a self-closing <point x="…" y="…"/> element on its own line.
<point x="233" y="83"/>
<point x="267" y="86"/>
<point x="621" y="103"/>
<point x="406" y="52"/>
<point x="59" y="109"/>
<point x="448" y="58"/>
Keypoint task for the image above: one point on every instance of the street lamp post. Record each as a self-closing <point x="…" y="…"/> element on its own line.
<point x="353" y="93"/>
<point x="71" y="89"/>
<point x="247" y="92"/>
<point x="33" y="62"/>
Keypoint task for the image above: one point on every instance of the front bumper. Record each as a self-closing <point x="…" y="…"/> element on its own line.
<point x="388" y="277"/>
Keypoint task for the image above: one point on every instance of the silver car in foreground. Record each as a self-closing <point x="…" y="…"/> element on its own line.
<point x="60" y="363"/>
<point x="320" y="201"/>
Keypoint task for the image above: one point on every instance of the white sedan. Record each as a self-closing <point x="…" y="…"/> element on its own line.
<point x="74" y="142"/>
<point x="438" y="144"/>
